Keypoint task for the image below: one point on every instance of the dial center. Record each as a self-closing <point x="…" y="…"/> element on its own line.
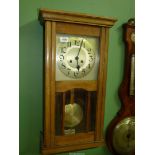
<point x="73" y="59"/>
<point x="128" y="136"/>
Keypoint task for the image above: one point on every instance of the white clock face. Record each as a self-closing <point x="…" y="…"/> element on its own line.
<point x="75" y="56"/>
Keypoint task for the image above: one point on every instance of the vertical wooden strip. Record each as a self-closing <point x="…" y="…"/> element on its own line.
<point x="101" y="84"/>
<point x="88" y="111"/>
<point x="72" y="96"/>
<point x="105" y="62"/>
<point x="47" y="90"/>
<point x="53" y="62"/>
<point x="63" y="112"/>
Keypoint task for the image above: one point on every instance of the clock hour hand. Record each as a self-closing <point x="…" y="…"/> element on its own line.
<point x="77" y="66"/>
<point x="77" y="57"/>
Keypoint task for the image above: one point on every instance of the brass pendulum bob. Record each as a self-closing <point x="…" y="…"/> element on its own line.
<point x="73" y="113"/>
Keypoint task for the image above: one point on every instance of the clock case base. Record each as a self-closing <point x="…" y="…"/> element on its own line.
<point x="70" y="148"/>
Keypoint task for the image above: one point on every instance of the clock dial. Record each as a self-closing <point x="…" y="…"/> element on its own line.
<point x="124" y="136"/>
<point x="76" y="56"/>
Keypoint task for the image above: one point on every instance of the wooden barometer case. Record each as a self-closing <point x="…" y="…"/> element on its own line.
<point x="75" y="66"/>
<point x="120" y="136"/>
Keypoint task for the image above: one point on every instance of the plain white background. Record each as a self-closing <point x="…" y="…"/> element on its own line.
<point x="145" y="77"/>
<point x="9" y="77"/>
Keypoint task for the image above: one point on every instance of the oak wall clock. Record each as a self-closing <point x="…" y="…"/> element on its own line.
<point x="121" y="131"/>
<point x="75" y="62"/>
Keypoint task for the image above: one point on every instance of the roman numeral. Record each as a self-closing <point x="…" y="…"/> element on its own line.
<point x="61" y="57"/>
<point x="89" y="50"/>
<point x="91" y="58"/>
<point x="83" y="71"/>
<point x="75" y="74"/>
<point x="68" y="69"/>
<point x="63" y="66"/>
<point x="89" y="66"/>
<point x="77" y="42"/>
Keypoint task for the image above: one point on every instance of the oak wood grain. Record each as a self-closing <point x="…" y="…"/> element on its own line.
<point x="104" y="63"/>
<point x="47" y="88"/>
<point x="102" y="83"/>
<point x="74" y="139"/>
<point x="63" y="113"/>
<point x="53" y="62"/>
<point x="70" y="17"/>
<point x="88" y="113"/>
<point x="68" y="148"/>
<point x="72" y="28"/>
<point x="63" y="86"/>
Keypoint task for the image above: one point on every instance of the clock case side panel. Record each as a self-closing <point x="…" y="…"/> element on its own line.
<point x="49" y="84"/>
<point x="101" y="90"/>
<point x="47" y="89"/>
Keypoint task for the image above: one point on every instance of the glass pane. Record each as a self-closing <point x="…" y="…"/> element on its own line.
<point x="75" y="112"/>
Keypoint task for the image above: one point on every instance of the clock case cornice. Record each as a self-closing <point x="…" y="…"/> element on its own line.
<point x="69" y="17"/>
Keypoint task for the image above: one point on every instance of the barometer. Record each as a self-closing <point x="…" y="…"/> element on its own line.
<point x="121" y="131"/>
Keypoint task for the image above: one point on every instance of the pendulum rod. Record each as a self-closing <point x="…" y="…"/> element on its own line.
<point x="72" y="96"/>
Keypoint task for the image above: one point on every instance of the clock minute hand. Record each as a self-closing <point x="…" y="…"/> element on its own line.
<point x="80" y="48"/>
<point x="77" y="57"/>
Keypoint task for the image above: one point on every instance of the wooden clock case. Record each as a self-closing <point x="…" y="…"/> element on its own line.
<point x="127" y="100"/>
<point x="77" y="24"/>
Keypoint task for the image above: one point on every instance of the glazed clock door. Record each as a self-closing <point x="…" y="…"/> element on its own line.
<point x="77" y="65"/>
<point x="77" y="60"/>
